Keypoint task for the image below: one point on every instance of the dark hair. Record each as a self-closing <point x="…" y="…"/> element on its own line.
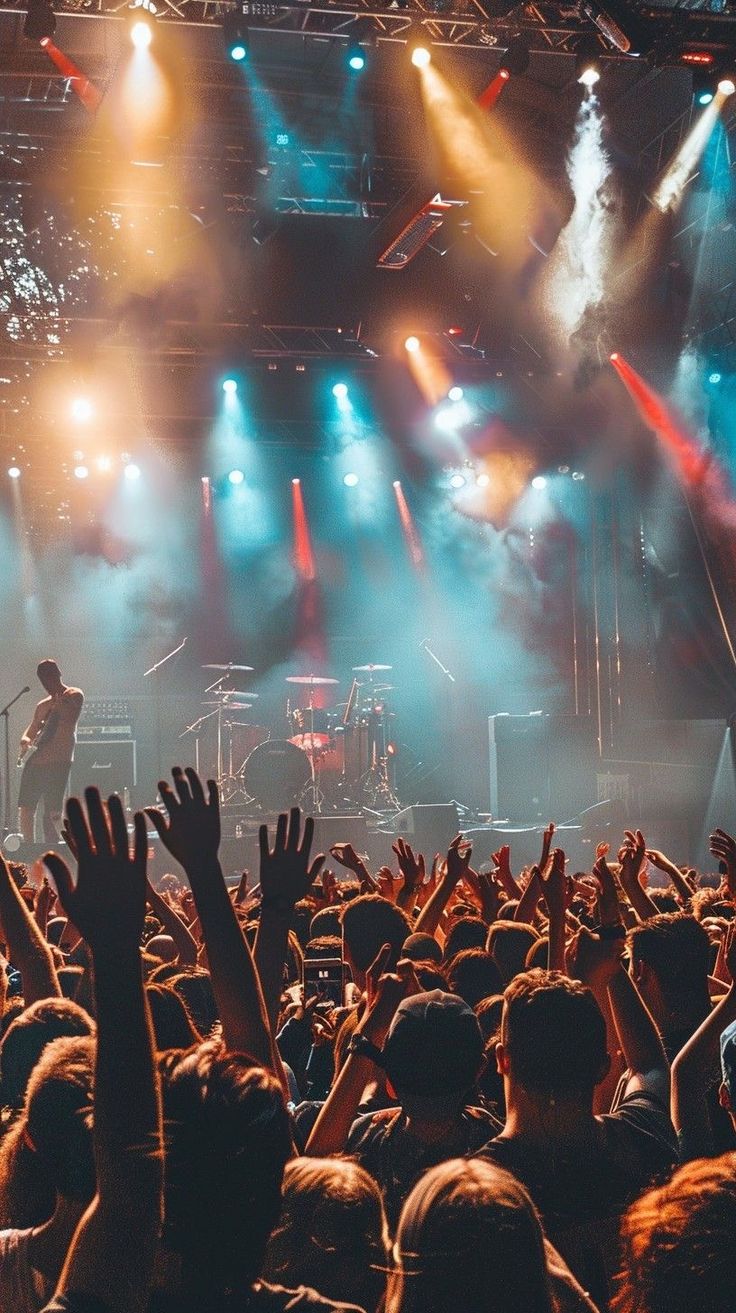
<point x="663" y="900"/>
<point x="469" y="1238"/>
<point x="508" y="943"/>
<point x="194" y="986"/>
<point x="327" y="921"/>
<point x="227" y="1141"/>
<point x="473" y="975"/>
<point x="467" y="932"/>
<point x="538" y="954"/>
<point x="173" y="1027"/>
<point x="554" y="1034"/>
<point x="430" y="976"/>
<point x="368" y="923"/>
<point x="332" y="1233"/>
<point x="49" y="1148"/>
<point x="324" y="946"/>
<point x="678" y="1243"/>
<point x="47" y="667"/>
<point x="675" y="947"/>
<point x="489" y="1012"/>
<point x="421" y="947"/>
<point x="27" y="1037"/>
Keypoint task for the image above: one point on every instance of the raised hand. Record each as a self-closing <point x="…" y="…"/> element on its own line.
<point x="554" y="884"/>
<point x="286" y="872"/>
<point x="108" y="901"/>
<point x="502" y="861"/>
<point x="386" y="882"/>
<point x="609" y="908"/>
<point x="723" y="847"/>
<point x="458" y="859"/>
<point x="632" y="856"/>
<point x="192" y="831"/>
<point x="411" y="865"/>
<point x="592" y="958"/>
<point x="547" y="837"/>
<point x="345" y="854"/>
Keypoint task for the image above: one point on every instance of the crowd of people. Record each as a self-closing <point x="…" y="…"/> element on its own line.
<point x="500" y="1092"/>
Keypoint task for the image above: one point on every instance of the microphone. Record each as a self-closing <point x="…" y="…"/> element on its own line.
<point x="424" y="642"/>
<point x="27" y="689"/>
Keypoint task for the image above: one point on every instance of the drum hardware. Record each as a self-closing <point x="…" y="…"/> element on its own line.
<point x="214" y="665"/>
<point x="370" y="670"/>
<point x="309" y="740"/>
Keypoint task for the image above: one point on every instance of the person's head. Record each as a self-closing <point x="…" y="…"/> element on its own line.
<point x="473" y="975"/>
<point x="49" y="675"/>
<point x="433" y="1054"/>
<point x="678" y="1243"/>
<point x="48" y="1153"/>
<point x="553" y="1039"/>
<point x="227" y="1141"/>
<point x="323" y="946"/>
<point x="172" y="1025"/>
<point x="538" y="954"/>
<point x="710" y="902"/>
<point x="508" y="944"/>
<point x="430" y="976"/>
<point x="332" y="1233"/>
<point x="162" y="947"/>
<point x="368" y="923"/>
<point x="670" y="958"/>
<point x="422" y="948"/>
<point x="327" y="921"/>
<point x="663" y="900"/>
<point x="466" y="932"/>
<point x="27" y="1037"/>
<point x="194" y="986"/>
<point x="469" y="1238"/>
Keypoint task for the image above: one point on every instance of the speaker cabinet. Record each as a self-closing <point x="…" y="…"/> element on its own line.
<point x="519" y="767"/>
<point x="428" y="827"/>
<point x="110" y="766"/>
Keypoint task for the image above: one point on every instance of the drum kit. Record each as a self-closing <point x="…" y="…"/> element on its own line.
<point x="329" y="758"/>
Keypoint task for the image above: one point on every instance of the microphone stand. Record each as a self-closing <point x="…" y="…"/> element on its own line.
<point x="153" y="670"/>
<point x="5" y="713"/>
<point x="435" y="658"/>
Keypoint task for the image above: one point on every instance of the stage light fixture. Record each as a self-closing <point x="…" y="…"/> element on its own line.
<point x="350" y="479"/>
<point x="13" y="472"/>
<point x="578" y="476"/>
<point x="714" y="378"/>
<point x="103" y="464"/>
<point x="356" y="58"/>
<point x="412" y="344"/>
<point x="40" y="21"/>
<point x="704" y="97"/>
<point x="457" y="481"/>
<point x="295" y="482"/>
<point x="141" y="34"/>
<point x="455" y="393"/>
<point x="539" y="482"/>
<point x="726" y="86"/>
<point x="81" y="472"/>
<point x="518" y="54"/>
<point x="230" y="387"/>
<point x="483" y="480"/>
<point x="340" y="390"/>
<point x="589" y="76"/>
<point x="82" y="409"/>
<point x="236" y="477"/>
<point x="420" y="57"/>
<point x="132" y="472"/>
<point x="236" y="36"/>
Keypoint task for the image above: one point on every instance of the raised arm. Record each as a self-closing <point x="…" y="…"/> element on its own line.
<point x="111" y="1256"/>
<point x="27" y="947"/>
<point x="554" y="888"/>
<point x="186" y="945"/>
<point x="696" y="1065"/>
<point x="286" y="876"/>
<point x="631" y="858"/>
<point x="456" y="866"/>
<point x="674" y="874"/>
<point x="192" y="836"/>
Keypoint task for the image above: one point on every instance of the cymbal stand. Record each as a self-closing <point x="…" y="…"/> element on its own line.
<point x="232" y="782"/>
<point x="312" y="791"/>
<point x="376" y="784"/>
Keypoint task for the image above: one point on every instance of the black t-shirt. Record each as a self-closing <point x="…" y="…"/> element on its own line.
<point x="263" y="1298"/>
<point x="581" y="1189"/>
<point x="384" y="1144"/>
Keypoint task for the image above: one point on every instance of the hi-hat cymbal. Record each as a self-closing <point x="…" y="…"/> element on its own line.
<point x="216" y="665"/>
<point x="234" y="693"/>
<point x="310" y="679"/>
<point x="370" y="669"/>
<point x="229" y="706"/>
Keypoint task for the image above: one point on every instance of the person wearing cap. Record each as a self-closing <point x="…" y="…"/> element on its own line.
<point x="429" y="1048"/>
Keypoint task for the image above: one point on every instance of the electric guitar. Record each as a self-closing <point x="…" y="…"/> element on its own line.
<point x="44" y="735"/>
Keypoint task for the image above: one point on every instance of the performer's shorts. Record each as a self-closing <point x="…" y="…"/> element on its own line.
<point x="46" y="781"/>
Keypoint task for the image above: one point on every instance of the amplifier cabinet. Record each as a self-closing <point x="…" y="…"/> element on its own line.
<point x="110" y="766"/>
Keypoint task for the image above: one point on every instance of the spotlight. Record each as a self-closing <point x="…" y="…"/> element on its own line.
<point x="350" y="480"/>
<point x="295" y="482"/>
<point x="103" y="464"/>
<point x="455" y="393"/>
<point x="714" y="378"/>
<point x="420" y="57"/>
<point x="81" y="472"/>
<point x="578" y="476"/>
<point x="704" y="97"/>
<point x="539" y="482"/>
<point x="396" y="483"/>
<point x="82" y="409"/>
<point x="457" y="481"/>
<point x="40" y="21"/>
<point x="13" y="472"/>
<point x="340" y="390"/>
<point x="236" y="476"/>
<point x="237" y="52"/>
<point x="230" y="387"/>
<point x="141" y="34"/>
<point x="726" y="86"/>
<point x="483" y="480"/>
<point x="132" y="473"/>
<point x="356" y="59"/>
<point x="412" y="344"/>
<point x="589" y="76"/>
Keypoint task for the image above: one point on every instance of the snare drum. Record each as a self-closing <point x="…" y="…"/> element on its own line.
<point x="276" y="774"/>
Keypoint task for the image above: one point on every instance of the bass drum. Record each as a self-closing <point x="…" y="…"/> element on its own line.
<point x="276" y="774"/>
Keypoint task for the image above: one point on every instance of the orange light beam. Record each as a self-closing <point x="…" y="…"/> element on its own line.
<point x="409" y="528"/>
<point x="691" y="459"/>
<point x="88" y="93"/>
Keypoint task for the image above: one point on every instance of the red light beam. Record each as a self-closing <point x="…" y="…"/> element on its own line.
<point x="488" y="98"/>
<point x="88" y="93"/>
<point x="690" y="458"/>
<point x="409" y="529"/>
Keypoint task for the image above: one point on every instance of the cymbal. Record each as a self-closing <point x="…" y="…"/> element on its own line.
<point x="310" y="679"/>
<point x="370" y="669"/>
<point x="229" y="706"/>
<point x="216" y="665"/>
<point x="234" y="693"/>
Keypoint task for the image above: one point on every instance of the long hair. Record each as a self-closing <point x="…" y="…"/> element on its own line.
<point x="332" y="1233"/>
<point x="469" y="1238"/>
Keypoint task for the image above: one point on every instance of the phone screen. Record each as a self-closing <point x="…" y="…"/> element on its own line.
<point x="324" y="979"/>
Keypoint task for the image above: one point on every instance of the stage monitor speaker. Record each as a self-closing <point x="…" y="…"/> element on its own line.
<point x="519" y="767"/>
<point x="428" y="827"/>
<point x="111" y="767"/>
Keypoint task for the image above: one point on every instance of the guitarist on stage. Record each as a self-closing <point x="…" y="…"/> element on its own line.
<point x="46" y="752"/>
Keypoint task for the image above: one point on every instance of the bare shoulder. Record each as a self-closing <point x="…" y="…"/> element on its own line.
<point x="74" y="695"/>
